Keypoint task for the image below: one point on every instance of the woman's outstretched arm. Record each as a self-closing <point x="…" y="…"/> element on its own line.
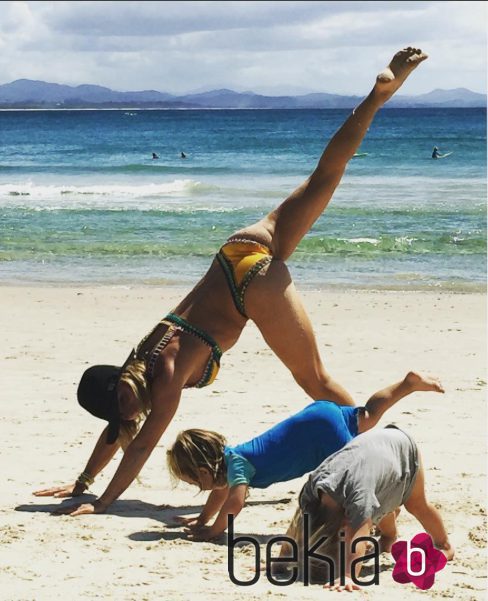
<point x="134" y="457"/>
<point x="100" y="457"/>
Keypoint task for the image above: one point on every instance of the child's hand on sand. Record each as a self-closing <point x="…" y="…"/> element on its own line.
<point x="192" y="523"/>
<point x="348" y="585"/>
<point x="204" y="533"/>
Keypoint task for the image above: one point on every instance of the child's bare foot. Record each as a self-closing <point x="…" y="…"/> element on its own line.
<point x="402" y="64"/>
<point x="417" y="382"/>
<point x="447" y="549"/>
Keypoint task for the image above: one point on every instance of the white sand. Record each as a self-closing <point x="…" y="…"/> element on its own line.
<point x="369" y="339"/>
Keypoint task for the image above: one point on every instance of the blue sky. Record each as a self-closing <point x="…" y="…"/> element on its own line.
<point x="266" y="47"/>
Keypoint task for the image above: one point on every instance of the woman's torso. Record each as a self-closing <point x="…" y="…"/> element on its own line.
<point x="215" y="309"/>
<point x="209" y="308"/>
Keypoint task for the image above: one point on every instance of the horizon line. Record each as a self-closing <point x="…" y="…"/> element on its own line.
<point x="176" y="95"/>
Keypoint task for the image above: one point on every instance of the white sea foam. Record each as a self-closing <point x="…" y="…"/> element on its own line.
<point x="359" y="240"/>
<point x="110" y="196"/>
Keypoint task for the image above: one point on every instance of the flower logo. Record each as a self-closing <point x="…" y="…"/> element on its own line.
<point x="417" y="561"/>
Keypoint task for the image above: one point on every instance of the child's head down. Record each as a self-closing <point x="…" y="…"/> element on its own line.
<point x="197" y="457"/>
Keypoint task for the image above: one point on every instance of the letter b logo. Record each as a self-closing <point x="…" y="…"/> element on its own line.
<point x="417" y="561"/>
<point x="412" y="564"/>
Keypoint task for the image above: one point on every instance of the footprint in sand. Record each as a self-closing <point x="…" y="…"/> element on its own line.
<point x="477" y="536"/>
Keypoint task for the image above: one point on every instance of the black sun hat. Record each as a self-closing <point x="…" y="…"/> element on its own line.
<point x="97" y="393"/>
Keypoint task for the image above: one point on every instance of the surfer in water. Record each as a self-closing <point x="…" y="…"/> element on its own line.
<point x="437" y="155"/>
<point x="248" y="279"/>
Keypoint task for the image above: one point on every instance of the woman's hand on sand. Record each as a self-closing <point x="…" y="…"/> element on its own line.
<point x="61" y="492"/>
<point x="83" y="509"/>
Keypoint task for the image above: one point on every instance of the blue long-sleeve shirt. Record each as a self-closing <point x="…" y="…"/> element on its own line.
<point x="293" y="447"/>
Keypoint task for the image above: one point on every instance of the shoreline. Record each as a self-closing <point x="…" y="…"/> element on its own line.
<point x="462" y="289"/>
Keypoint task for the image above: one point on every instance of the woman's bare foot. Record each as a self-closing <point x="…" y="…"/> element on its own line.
<point x="417" y="382"/>
<point x="402" y="64"/>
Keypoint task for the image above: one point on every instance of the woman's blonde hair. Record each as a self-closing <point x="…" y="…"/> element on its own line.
<point x="134" y="376"/>
<point x="194" y="449"/>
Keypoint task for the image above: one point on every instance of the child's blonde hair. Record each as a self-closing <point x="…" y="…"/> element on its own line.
<point x="194" y="449"/>
<point x="323" y="522"/>
<point x="134" y="375"/>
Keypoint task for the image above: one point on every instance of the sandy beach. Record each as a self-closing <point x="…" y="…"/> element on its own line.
<point x="135" y="551"/>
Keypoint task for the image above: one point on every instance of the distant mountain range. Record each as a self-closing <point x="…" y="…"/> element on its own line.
<point x="26" y="93"/>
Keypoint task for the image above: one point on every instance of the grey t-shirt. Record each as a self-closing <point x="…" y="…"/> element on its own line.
<point x="369" y="477"/>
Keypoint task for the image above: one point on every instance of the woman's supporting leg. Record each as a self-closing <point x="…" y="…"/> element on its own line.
<point x="274" y="305"/>
<point x="428" y="516"/>
<point x="382" y="400"/>
<point x="284" y="227"/>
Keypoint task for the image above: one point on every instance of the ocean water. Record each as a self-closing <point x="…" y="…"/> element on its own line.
<point x="82" y="201"/>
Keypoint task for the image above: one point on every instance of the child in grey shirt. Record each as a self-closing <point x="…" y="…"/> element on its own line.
<point x="363" y="485"/>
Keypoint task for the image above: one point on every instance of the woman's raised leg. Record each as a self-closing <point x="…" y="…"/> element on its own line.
<point x="284" y="227"/>
<point x="272" y="301"/>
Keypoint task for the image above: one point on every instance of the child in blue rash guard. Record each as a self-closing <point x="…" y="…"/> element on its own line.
<point x="292" y="448"/>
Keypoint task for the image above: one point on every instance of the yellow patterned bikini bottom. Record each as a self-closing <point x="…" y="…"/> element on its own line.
<point x="241" y="260"/>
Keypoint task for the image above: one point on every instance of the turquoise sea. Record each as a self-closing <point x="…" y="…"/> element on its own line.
<point x="82" y="201"/>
